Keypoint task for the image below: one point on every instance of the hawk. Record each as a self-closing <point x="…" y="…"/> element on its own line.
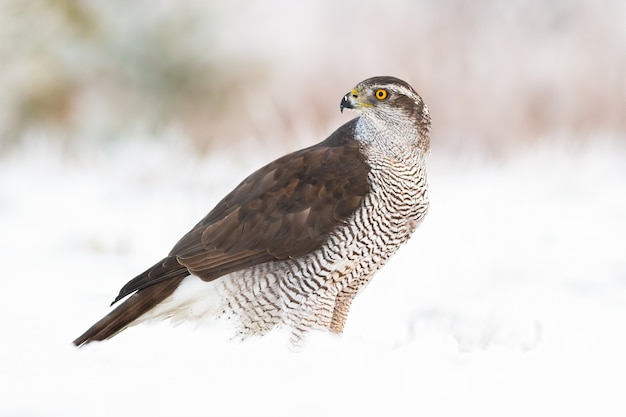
<point x="296" y="241"/>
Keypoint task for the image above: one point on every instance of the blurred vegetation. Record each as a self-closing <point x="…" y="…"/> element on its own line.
<point x="90" y="70"/>
<point x="493" y="73"/>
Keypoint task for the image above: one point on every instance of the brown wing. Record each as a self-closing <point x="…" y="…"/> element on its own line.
<point x="284" y="210"/>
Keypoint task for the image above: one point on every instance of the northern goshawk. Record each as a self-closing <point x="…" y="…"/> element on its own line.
<point x="295" y="242"/>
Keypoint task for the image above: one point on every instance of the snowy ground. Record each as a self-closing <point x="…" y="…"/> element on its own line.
<point x="509" y="301"/>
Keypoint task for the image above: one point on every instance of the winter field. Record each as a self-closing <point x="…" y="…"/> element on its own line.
<point x="510" y="300"/>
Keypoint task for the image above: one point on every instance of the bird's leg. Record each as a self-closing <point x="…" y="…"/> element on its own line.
<point x="342" y="305"/>
<point x="340" y="313"/>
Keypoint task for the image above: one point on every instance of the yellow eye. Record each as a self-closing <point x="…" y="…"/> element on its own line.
<point x="381" y="94"/>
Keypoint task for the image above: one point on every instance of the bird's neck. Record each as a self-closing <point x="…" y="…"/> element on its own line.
<point x="399" y="139"/>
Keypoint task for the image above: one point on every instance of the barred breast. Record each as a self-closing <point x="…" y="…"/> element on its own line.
<point x="315" y="291"/>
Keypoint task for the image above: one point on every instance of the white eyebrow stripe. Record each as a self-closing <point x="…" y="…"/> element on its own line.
<point x="400" y="89"/>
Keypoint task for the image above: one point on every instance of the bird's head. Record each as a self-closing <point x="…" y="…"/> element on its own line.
<point x="391" y="101"/>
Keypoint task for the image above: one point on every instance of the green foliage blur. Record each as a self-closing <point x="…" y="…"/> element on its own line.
<point x="86" y="70"/>
<point x="494" y="74"/>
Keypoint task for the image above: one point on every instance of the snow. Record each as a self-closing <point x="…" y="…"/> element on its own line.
<point x="509" y="300"/>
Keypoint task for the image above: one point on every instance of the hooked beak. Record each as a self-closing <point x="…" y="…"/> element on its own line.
<point x="349" y="101"/>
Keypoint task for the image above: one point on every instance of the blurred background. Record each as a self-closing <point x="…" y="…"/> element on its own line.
<point x="122" y="123"/>
<point x="494" y="74"/>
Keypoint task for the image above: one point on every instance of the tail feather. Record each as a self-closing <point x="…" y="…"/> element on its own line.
<point x="130" y="310"/>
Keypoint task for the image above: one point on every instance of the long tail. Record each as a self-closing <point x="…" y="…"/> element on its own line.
<point x="147" y="297"/>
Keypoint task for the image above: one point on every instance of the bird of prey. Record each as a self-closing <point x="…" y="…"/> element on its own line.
<point x="295" y="242"/>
